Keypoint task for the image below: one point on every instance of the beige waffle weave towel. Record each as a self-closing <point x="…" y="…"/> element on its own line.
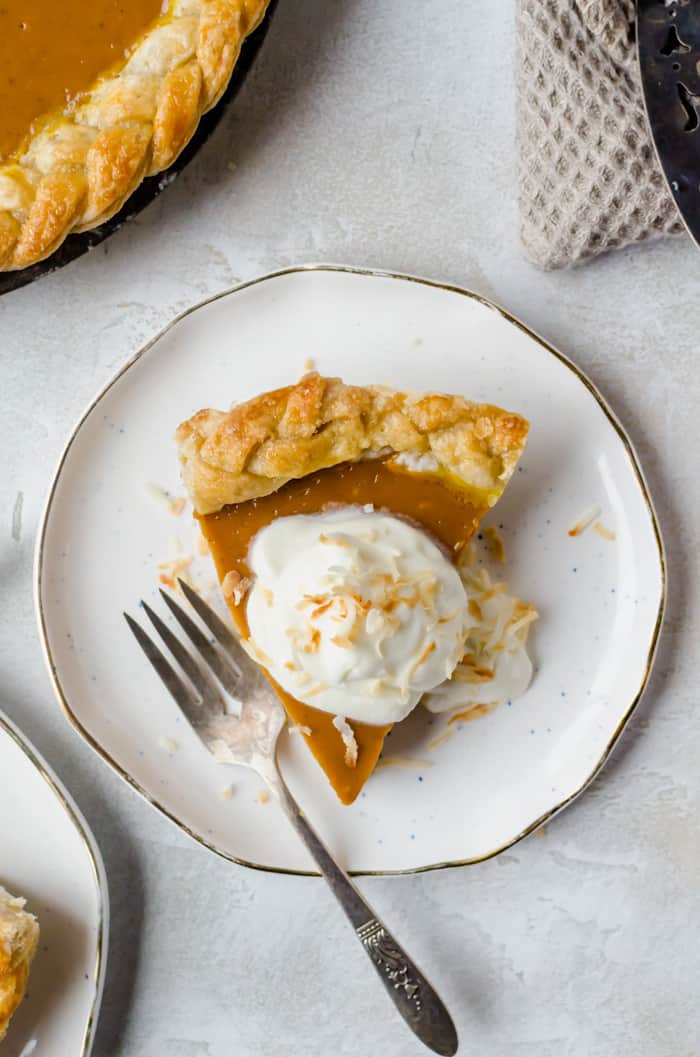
<point x="588" y="177"/>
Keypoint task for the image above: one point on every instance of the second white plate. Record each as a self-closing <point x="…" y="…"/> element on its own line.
<point x="49" y="856"/>
<point x="600" y="599"/>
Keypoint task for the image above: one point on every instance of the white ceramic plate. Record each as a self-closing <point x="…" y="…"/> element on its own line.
<point x="600" y="600"/>
<point x="49" y="856"/>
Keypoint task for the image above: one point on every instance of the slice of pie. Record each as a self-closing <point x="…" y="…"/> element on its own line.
<point x="96" y="96"/>
<point x="335" y="515"/>
<point x="19" y="935"/>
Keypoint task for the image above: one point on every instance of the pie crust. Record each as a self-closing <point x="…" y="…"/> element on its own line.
<point x="438" y="460"/>
<point x="82" y="164"/>
<point x="19" y="935"/>
<point x="256" y="447"/>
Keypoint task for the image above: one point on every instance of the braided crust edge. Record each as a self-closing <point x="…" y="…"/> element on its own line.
<point x="256" y="447"/>
<point x="83" y="164"/>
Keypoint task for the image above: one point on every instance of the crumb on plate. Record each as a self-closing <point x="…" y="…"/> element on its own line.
<point x="495" y="542"/>
<point x="606" y="533"/>
<point x="584" y="520"/>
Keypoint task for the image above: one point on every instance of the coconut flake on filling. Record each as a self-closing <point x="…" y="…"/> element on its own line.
<point x="234" y="587"/>
<point x="348" y="735"/>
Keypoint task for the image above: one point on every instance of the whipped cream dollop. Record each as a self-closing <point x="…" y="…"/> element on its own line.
<point x="355" y="612"/>
<point x="496" y="665"/>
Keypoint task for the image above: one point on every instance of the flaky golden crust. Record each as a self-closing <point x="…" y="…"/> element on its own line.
<point x="83" y="164"/>
<point x="19" y="935"/>
<point x="256" y="447"/>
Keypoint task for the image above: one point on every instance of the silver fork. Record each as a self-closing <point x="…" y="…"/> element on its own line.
<point x="250" y="739"/>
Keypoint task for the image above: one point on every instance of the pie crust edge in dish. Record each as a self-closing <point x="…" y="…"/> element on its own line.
<point x="256" y="447"/>
<point x="82" y="164"/>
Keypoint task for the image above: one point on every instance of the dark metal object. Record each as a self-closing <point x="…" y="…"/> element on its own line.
<point x="76" y="245"/>
<point x="668" y="37"/>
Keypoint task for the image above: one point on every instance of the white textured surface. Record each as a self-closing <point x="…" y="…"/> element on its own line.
<point x="369" y="134"/>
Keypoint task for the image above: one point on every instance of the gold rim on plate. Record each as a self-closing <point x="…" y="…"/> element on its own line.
<point x="379" y="274"/>
<point x="98" y="872"/>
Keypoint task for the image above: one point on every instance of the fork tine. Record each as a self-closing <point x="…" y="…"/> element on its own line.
<point x="201" y="681"/>
<point x="224" y="636"/>
<point x="220" y="665"/>
<point x="182" y="694"/>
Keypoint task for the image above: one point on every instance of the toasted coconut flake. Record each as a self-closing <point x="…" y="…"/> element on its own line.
<point x="290" y="666"/>
<point x="468" y="671"/>
<point x="403" y="761"/>
<point x="301" y="678"/>
<point x="475" y="610"/>
<point x="227" y="793"/>
<point x="175" y="504"/>
<point x="342" y="641"/>
<point x="429" y="648"/>
<point x="584" y="521"/>
<point x="295" y="728"/>
<point x="336" y="541"/>
<point x="495" y="541"/>
<point x="235" y="586"/>
<point x="315" y="690"/>
<point x="313" y="643"/>
<point x="467" y="715"/>
<point x="171" y="570"/>
<point x="315" y="600"/>
<point x="269" y="597"/>
<point x="497" y="589"/>
<point x="467" y="554"/>
<point x="440" y="739"/>
<point x="309" y="364"/>
<point x="263" y="797"/>
<point x="348" y="735"/>
<point x="168" y="745"/>
<point x="606" y="533"/>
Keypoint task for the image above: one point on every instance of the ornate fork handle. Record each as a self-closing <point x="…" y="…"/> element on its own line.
<point x="415" y="999"/>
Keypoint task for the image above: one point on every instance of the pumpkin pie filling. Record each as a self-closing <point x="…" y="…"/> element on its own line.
<point x="50" y="53"/>
<point x="449" y="513"/>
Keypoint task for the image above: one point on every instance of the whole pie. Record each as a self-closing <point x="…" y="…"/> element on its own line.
<point x="19" y="935"/>
<point x="336" y="516"/>
<point x="95" y="97"/>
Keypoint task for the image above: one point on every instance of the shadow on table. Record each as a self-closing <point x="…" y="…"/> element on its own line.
<point x="126" y="893"/>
